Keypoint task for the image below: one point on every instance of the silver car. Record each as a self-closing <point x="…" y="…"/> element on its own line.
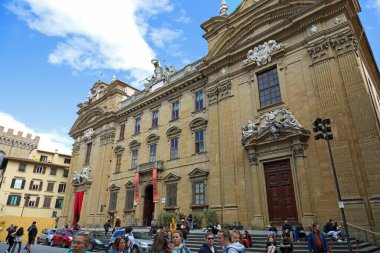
<point x="143" y="242"/>
<point x="46" y="235"/>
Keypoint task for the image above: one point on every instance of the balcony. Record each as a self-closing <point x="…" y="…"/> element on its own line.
<point x="147" y="167"/>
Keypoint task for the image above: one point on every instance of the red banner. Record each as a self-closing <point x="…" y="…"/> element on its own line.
<point x="77" y="206"/>
<point x="154" y="177"/>
<point x="137" y="198"/>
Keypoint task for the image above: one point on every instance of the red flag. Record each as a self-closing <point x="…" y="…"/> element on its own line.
<point x="154" y="177"/>
<point x="137" y="198"/>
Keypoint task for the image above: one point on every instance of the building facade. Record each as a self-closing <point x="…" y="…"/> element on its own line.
<point x="33" y="182"/>
<point x="232" y="132"/>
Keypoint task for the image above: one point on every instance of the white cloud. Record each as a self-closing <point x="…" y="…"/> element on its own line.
<point x="95" y="34"/>
<point x="374" y="4"/>
<point x="49" y="141"/>
<point x="162" y="37"/>
<point x="183" y="18"/>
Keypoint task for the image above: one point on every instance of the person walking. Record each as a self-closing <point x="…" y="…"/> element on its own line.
<point x="9" y="230"/>
<point x="18" y="239"/>
<point x="129" y="239"/>
<point x="80" y="243"/>
<point x="32" y="233"/>
<point x="118" y="246"/>
<point x="316" y="241"/>
<point x="208" y="245"/>
<point x="190" y="220"/>
<point x="107" y="226"/>
<point x="11" y="238"/>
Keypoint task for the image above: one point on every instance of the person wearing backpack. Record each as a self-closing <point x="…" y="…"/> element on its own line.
<point x="129" y="239"/>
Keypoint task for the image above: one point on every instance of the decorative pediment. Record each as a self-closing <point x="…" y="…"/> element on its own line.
<point x="89" y="119"/>
<point x="129" y="184"/>
<point x="274" y="125"/>
<point x="114" y="187"/>
<point x="152" y="138"/>
<point x="198" y="173"/>
<point x="134" y="144"/>
<point x="171" y="177"/>
<point x="262" y="54"/>
<point x="119" y="149"/>
<point x="173" y="131"/>
<point x="198" y="123"/>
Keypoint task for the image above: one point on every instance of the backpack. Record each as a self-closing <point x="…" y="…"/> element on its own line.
<point x="127" y="242"/>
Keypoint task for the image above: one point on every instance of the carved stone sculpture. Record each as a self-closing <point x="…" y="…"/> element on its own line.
<point x="88" y="133"/>
<point x="261" y="54"/>
<point x="160" y="74"/>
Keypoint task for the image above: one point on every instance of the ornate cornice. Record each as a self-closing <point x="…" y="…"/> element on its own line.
<point x="299" y="149"/>
<point x="318" y="51"/>
<point x="107" y="137"/>
<point x="216" y="94"/>
<point x="344" y="43"/>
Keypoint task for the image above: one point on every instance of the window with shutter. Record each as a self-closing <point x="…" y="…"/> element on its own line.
<point x="118" y="163"/>
<point x="59" y="203"/>
<point x="22" y="167"/>
<point x="129" y="199"/>
<point x="113" y="201"/>
<point x="39" y="169"/>
<point x="53" y="171"/>
<point x="40" y="188"/>
<point x="61" y="188"/>
<point x="198" y="193"/>
<point x="88" y="153"/>
<point x="18" y="183"/>
<point x="13" y="200"/>
<point x="122" y="129"/>
<point x="171" y="195"/>
<point x="50" y="187"/>
<point x="47" y="202"/>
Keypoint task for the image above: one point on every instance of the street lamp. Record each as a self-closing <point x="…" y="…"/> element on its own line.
<point x="26" y="197"/>
<point x="324" y="132"/>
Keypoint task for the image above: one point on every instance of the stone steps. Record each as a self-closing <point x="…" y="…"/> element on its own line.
<point x="196" y="239"/>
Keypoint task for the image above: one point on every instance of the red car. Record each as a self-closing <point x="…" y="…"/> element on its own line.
<point x="62" y="237"/>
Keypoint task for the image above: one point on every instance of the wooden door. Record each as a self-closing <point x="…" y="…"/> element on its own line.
<point x="280" y="192"/>
<point x="148" y="206"/>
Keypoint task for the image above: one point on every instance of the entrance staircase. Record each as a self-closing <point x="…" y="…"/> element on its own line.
<point x="196" y="239"/>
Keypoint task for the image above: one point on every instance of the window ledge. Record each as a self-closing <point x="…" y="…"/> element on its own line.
<point x="154" y="128"/>
<point x="199" y="153"/>
<point x="129" y="210"/>
<point x="270" y="106"/>
<point x="199" y="111"/>
<point x="135" y="134"/>
<point x="174" y="120"/>
<point x="198" y="206"/>
<point x="171" y="208"/>
<point x="174" y="159"/>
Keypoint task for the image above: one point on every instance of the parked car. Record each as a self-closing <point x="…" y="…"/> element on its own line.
<point x="63" y="237"/>
<point x="97" y="240"/>
<point x="143" y="242"/>
<point x="46" y="235"/>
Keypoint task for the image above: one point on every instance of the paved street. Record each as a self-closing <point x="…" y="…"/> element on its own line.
<point x="37" y="249"/>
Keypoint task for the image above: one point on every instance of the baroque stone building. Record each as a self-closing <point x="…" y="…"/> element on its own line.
<point x="231" y="132"/>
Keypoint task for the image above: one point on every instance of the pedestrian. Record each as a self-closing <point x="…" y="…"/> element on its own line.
<point x="178" y="242"/>
<point x="117" y="225"/>
<point x="162" y="244"/>
<point x="190" y="220"/>
<point x="316" y="241"/>
<point x="32" y="233"/>
<point x="118" y="246"/>
<point x="129" y="239"/>
<point x="208" y="245"/>
<point x="286" y="244"/>
<point x="107" y="226"/>
<point x="10" y="228"/>
<point x="76" y="226"/>
<point x="18" y="239"/>
<point x="235" y="241"/>
<point x="11" y="238"/>
<point x="224" y="240"/>
<point x="80" y="243"/>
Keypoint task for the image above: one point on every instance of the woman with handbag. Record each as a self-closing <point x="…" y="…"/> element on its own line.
<point x="18" y="240"/>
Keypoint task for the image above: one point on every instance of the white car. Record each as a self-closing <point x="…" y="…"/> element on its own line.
<point x="46" y="235"/>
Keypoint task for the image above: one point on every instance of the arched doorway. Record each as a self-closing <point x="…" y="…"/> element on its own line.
<point x="148" y="206"/>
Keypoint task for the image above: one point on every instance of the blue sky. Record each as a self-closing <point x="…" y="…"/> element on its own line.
<point x="52" y="52"/>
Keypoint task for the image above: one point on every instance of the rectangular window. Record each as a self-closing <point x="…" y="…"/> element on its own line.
<point x="199" y="100"/>
<point x="171" y="195"/>
<point x="54" y="214"/>
<point x="102" y="208"/>
<point x="88" y="153"/>
<point x="269" y="87"/>
<point x="13" y="200"/>
<point x="122" y="129"/>
<point x="53" y="171"/>
<point x="129" y="199"/>
<point x="47" y="202"/>
<point x="35" y="185"/>
<point x="199" y="141"/>
<point x="152" y="153"/>
<point x="175" y="110"/>
<point x="50" y="187"/>
<point x="174" y="148"/>
<point x="137" y="125"/>
<point x="43" y="158"/>
<point x="135" y="154"/>
<point x="118" y="163"/>
<point x="33" y="201"/>
<point x="61" y="188"/>
<point x="198" y="193"/>
<point x="113" y="201"/>
<point x="18" y="183"/>
<point x="154" y="118"/>
<point x="59" y="203"/>
<point x="67" y="161"/>
<point x="65" y="173"/>
<point x="22" y="167"/>
<point x="39" y="169"/>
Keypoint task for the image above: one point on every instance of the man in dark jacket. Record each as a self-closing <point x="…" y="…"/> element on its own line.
<point x="208" y="246"/>
<point x="316" y="242"/>
<point x="32" y="233"/>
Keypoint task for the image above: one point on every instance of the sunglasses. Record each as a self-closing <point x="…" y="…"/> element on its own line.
<point x="210" y="238"/>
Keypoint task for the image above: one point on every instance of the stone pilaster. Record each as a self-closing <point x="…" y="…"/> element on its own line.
<point x="257" y="214"/>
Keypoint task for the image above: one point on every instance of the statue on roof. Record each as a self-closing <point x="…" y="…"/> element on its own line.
<point x="160" y="74"/>
<point x="223" y="8"/>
